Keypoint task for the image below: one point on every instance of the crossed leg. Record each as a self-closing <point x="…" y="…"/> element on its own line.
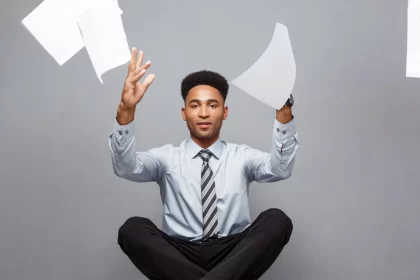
<point x="244" y="256"/>
<point x="260" y="245"/>
<point x="157" y="255"/>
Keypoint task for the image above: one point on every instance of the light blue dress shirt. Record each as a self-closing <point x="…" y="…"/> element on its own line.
<point x="177" y="171"/>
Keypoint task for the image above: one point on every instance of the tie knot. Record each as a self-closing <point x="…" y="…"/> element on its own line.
<point x="205" y="155"/>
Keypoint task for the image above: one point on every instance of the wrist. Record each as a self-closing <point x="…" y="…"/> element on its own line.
<point x="284" y="115"/>
<point x="125" y="115"/>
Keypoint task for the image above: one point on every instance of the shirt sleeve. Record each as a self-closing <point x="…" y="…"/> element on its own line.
<point x="278" y="164"/>
<point x="144" y="166"/>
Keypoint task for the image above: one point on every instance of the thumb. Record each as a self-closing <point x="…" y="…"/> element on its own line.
<point x="148" y="81"/>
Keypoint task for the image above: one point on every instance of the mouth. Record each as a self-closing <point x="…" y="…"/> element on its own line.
<point x="204" y="124"/>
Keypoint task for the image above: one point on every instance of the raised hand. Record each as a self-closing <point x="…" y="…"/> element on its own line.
<point x="133" y="90"/>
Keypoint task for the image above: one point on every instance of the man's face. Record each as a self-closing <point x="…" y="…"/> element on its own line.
<point x="204" y="112"/>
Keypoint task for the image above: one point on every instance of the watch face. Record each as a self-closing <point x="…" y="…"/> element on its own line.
<point x="291" y="100"/>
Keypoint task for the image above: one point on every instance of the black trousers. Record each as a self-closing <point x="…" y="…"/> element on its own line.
<point x="246" y="255"/>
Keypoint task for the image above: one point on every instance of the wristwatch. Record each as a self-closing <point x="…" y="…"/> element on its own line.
<point x="290" y="101"/>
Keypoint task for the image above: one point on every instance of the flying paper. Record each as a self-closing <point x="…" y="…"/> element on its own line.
<point x="413" y="39"/>
<point x="54" y="24"/>
<point x="63" y="28"/>
<point x="272" y="77"/>
<point x="104" y="37"/>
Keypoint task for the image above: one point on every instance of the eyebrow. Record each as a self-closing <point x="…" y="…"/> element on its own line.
<point x="208" y="101"/>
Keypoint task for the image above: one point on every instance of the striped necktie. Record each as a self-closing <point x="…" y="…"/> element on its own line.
<point x="208" y="197"/>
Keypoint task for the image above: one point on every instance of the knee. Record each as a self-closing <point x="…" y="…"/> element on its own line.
<point x="134" y="226"/>
<point x="280" y="224"/>
<point x="132" y="235"/>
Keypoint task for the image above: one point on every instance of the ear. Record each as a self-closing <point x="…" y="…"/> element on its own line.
<point x="226" y="112"/>
<point x="184" y="117"/>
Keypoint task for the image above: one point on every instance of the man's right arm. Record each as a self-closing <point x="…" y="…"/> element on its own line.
<point x="126" y="161"/>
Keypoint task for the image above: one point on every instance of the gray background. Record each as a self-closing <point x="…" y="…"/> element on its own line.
<point x="353" y="196"/>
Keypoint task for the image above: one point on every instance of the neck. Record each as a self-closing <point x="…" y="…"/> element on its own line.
<point x="206" y="142"/>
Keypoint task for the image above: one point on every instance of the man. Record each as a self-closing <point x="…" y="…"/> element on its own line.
<point x="207" y="232"/>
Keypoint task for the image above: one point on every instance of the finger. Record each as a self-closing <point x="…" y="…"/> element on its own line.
<point x="140" y="59"/>
<point x="132" y="64"/>
<point x="148" y="81"/>
<point x="137" y="77"/>
<point x="144" y="66"/>
<point x="140" y="72"/>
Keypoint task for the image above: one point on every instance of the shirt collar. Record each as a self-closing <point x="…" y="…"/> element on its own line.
<point x="192" y="149"/>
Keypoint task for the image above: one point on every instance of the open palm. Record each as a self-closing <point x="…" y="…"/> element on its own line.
<point x="133" y="90"/>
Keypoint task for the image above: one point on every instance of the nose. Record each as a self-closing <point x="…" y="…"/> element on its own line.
<point x="203" y="112"/>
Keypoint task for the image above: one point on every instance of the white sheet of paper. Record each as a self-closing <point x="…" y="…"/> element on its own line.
<point x="104" y="36"/>
<point x="55" y="30"/>
<point x="53" y="23"/>
<point x="413" y="39"/>
<point x="119" y="9"/>
<point x="272" y="77"/>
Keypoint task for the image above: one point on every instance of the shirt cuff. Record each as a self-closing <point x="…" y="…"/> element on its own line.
<point x="284" y="131"/>
<point x="123" y="131"/>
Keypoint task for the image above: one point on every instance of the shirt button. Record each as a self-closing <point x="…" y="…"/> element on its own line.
<point x="126" y="132"/>
<point x="284" y="131"/>
<point x="278" y="129"/>
<point x="120" y="132"/>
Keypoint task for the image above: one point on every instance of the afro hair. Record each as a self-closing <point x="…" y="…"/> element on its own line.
<point x="204" y="77"/>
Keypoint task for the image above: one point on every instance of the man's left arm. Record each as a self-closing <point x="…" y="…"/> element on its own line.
<point x="278" y="164"/>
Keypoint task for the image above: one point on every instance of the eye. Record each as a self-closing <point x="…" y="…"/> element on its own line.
<point x="213" y="105"/>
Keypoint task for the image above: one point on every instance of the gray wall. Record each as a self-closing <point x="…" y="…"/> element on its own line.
<point x="354" y="193"/>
